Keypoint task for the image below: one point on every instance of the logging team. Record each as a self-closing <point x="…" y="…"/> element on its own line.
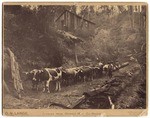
<point x="69" y="76"/>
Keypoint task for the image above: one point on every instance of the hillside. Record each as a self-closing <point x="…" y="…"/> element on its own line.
<point x="35" y="42"/>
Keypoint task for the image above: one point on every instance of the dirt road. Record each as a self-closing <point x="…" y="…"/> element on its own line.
<point x="67" y="96"/>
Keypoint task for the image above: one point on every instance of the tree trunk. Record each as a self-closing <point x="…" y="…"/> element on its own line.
<point x="139" y="16"/>
<point x="76" y="57"/>
<point x="131" y="15"/>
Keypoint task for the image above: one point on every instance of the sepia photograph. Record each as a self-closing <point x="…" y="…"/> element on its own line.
<point x="82" y="56"/>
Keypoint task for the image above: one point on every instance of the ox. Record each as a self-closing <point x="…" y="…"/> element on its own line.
<point x="86" y="73"/>
<point x="45" y="75"/>
<point x="108" y="68"/>
<point x="98" y="70"/>
<point x="35" y="77"/>
<point x="70" y="75"/>
<point x="52" y="74"/>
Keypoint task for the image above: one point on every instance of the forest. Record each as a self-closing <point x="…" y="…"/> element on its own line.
<point x="32" y="27"/>
<point x="119" y="33"/>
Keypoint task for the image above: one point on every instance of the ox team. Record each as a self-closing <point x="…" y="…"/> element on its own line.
<point x="69" y="76"/>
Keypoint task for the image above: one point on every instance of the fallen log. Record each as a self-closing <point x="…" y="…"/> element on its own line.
<point x="124" y="64"/>
<point x="103" y="97"/>
<point x="109" y="89"/>
<point x="59" y="105"/>
<point x="74" y="106"/>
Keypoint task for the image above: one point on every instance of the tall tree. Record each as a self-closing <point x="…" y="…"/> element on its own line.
<point x="131" y="15"/>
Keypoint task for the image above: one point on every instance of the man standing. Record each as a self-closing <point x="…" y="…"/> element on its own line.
<point x="110" y="69"/>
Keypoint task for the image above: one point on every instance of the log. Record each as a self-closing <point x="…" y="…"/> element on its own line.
<point x="78" y="103"/>
<point x="59" y="105"/>
<point x="116" y="84"/>
<point x="74" y="106"/>
<point x="124" y="64"/>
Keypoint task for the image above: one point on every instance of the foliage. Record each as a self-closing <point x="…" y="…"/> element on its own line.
<point x="32" y="28"/>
